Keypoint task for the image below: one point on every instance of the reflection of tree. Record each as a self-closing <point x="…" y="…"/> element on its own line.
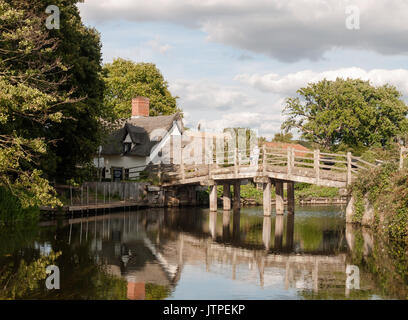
<point x="387" y="263"/>
<point x="22" y="266"/>
<point x="82" y="276"/>
<point x="20" y="280"/>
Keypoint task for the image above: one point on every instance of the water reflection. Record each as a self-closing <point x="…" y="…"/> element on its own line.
<point x="153" y="248"/>
<point x="238" y="254"/>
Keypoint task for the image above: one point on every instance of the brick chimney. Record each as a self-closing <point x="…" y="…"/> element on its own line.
<point x="140" y="107"/>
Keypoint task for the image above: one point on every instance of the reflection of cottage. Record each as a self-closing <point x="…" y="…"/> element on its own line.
<point x="135" y="142"/>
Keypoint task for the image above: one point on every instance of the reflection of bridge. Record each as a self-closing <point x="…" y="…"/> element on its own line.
<point x="270" y="165"/>
<point x="147" y="248"/>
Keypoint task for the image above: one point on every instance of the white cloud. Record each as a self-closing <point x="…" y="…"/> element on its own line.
<point x="216" y="106"/>
<point x="208" y="95"/>
<point x="286" y="30"/>
<point x="289" y="83"/>
<point x="157" y="46"/>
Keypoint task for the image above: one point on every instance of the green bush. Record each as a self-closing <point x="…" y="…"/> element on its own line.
<point x="12" y="211"/>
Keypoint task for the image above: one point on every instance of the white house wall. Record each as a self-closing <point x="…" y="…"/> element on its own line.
<point x="124" y="162"/>
<point x="164" y="144"/>
<point x="140" y="163"/>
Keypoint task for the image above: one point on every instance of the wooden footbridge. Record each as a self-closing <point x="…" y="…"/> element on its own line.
<point x="266" y="166"/>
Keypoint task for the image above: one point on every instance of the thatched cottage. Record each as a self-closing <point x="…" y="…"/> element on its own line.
<point x="135" y="142"/>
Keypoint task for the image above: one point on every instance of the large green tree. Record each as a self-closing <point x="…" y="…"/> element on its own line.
<point x="78" y="135"/>
<point x="28" y="100"/>
<point x="51" y="95"/>
<point x="347" y="113"/>
<point x="125" y="79"/>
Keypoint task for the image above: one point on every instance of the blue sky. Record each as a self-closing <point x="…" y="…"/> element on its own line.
<point x="232" y="63"/>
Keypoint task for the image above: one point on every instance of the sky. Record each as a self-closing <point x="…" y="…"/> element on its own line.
<point x="232" y="63"/>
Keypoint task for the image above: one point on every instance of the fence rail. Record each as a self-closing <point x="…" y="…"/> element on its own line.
<point x="313" y="165"/>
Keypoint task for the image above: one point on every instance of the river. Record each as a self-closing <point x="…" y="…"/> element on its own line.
<point x="191" y="253"/>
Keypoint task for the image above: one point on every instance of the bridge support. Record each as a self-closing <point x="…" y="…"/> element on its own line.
<point x="226" y="196"/>
<point x="350" y="209"/>
<point x="213" y="197"/>
<point x="267" y="205"/>
<point x="279" y="197"/>
<point x="237" y="194"/>
<point x="291" y="197"/>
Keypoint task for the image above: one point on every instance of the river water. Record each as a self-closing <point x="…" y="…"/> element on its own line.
<point x="191" y="253"/>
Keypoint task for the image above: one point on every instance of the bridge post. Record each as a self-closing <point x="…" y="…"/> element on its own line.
<point x="289" y="161"/>
<point x="264" y="160"/>
<point x="237" y="194"/>
<point x="236" y="162"/>
<point x="267" y="205"/>
<point x="350" y="209"/>
<point x="279" y="197"/>
<point x="213" y="197"/>
<point x="291" y="196"/>
<point x="316" y="165"/>
<point x="226" y="200"/>
<point x="183" y="173"/>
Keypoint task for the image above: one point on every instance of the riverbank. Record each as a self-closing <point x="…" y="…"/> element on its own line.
<point x="380" y="201"/>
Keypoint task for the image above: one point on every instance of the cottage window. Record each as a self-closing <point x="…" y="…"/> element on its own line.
<point x="126" y="147"/>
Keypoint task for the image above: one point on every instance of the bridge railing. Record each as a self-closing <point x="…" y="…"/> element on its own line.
<point x="293" y="162"/>
<point x="314" y="163"/>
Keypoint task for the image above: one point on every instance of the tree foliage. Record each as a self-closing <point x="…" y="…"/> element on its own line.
<point x="50" y="97"/>
<point x="78" y="133"/>
<point x="27" y="100"/>
<point x="285" y="137"/>
<point x="347" y="114"/>
<point x="125" y="80"/>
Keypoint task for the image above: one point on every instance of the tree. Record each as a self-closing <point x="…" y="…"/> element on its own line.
<point x="28" y="100"/>
<point x="347" y="114"/>
<point x="51" y="94"/>
<point x="283" y="137"/>
<point x="78" y="134"/>
<point x="125" y="80"/>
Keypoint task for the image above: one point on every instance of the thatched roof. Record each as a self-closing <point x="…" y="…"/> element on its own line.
<point x="145" y="133"/>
